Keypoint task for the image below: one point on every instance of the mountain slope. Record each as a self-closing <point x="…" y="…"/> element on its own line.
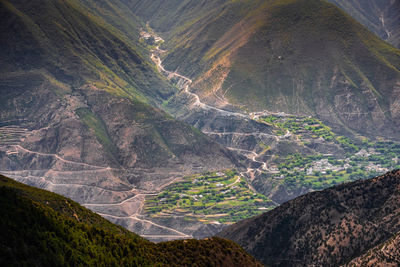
<point x="381" y="17"/>
<point x="42" y="228"/>
<point x="75" y="112"/>
<point x="64" y="41"/>
<point x="299" y="57"/>
<point x="166" y="16"/>
<point x="386" y="254"/>
<point x="68" y="57"/>
<point x="328" y="228"/>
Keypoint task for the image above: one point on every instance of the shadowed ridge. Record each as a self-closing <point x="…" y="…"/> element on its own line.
<point x="386" y="254"/>
<point x="329" y="227"/>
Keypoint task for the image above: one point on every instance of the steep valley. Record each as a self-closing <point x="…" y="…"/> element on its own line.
<point x="287" y="156"/>
<point x="226" y="119"/>
<point x="75" y="111"/>
<point x="297" y="57"/>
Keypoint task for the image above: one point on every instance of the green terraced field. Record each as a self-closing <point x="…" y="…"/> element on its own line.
<point x="306" y="127"/>
<point x="222" y="197"/>
<point x="362" y="158"/>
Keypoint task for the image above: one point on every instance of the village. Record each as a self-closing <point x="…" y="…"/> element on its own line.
<point x="357" y="159"/>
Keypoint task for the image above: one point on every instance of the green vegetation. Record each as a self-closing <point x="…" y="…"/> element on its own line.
<point x="224" y="197"/>
<point x="307" y="128"/>
<point x="149" y="38"/>
<point x="40" y="228"/>
<point x="80" y="43"/>
<point x="362" y="158"/>
<point x="319" y="172"/>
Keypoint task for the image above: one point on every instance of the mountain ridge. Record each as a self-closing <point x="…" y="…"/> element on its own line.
<point x="385" y="254"/>
<point x="329" y="227"/>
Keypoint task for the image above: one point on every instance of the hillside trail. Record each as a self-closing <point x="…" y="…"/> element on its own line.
<point x="184" y="85"/>
<point x="134" y="217"/>
<point x="61" y="159"/>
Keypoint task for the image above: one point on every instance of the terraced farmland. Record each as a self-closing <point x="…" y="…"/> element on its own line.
<point x="325" y="159"/>
<point x="214" y="197"/>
